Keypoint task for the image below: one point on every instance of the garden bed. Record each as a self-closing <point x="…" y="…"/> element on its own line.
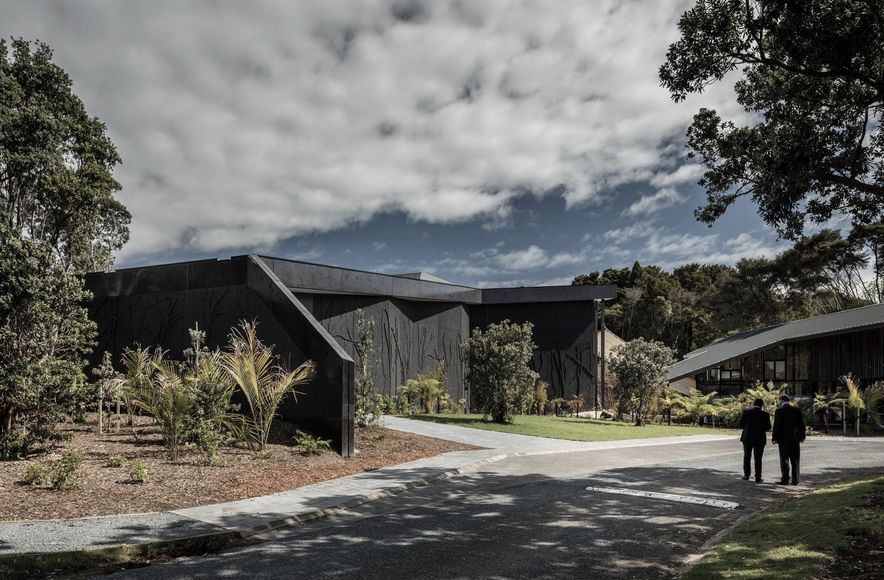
<point x="190" y="481"/>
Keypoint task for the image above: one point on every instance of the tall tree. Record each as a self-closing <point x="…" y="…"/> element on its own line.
<point x="58" y="219"/>
<point x="811" y="77"/>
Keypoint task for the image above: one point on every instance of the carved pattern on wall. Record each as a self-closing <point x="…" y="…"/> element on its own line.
<point x="410" y="337"/>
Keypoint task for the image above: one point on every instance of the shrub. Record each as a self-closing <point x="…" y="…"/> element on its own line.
<point x="166" y="397"/>
<point x="252" y="365"/>
<point x="36" y="474"/>
<point x="139" y="472"/>
<point x="308" y="444"/>
<point x="368" y="404"/>
<point x="115" y="461"/>
<point x="500" y="378"/>
<point x="64" y="472"/>
<point x="541" y="397"/>
<point x="640" y="367"/>
<point x="555" y="405"/>
<point x="575" y="404"/>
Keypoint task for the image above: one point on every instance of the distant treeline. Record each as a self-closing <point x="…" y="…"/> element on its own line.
<point x="697" y="303"/>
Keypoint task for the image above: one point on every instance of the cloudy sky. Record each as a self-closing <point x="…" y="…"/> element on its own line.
<point x="486" y="142"/>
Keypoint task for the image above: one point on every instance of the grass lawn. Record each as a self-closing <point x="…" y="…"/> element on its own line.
<point x="572" y="428"/>
<point x="798" y="539"/>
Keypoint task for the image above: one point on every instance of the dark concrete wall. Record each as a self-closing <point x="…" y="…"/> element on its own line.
<point x="410" y="337"/>
<point x="565" y="335"/>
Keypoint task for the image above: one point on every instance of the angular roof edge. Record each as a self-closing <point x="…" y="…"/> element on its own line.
<point x="753" y="341"/>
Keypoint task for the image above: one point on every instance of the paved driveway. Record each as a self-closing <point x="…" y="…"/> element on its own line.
<point x="532" y="517"/>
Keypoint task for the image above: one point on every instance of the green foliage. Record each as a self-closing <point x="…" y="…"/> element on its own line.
<point x="420" y="394"/>
<point x="36" y="474"/>
<point x="308" y="444"/>
<point x="640" y="367"/>
<point x="264" y="384"/>
<point x="866" y="402"/>
<point x="64" y="472"/>
<point x="44" y="336"/>
<point x="809" y="75"/>
<point x="796" y="540"/>
<point x="368" y="403"/>
<point x="500" y="378"/>
<point x="139" y="472"/>
<point x="695" y="405"/>
<point x="541" y="396"/>
<point x="58" y="218"/>
<point x="115" y="461"/>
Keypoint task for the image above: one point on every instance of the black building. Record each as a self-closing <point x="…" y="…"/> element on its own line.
<point x="808" y="355"/>
<point x="308" y="312"/>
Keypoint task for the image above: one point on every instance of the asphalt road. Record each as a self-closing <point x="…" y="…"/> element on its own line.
<point x="532" y="517"/>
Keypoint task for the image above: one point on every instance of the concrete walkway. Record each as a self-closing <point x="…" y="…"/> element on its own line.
<point x="248" y="517"/>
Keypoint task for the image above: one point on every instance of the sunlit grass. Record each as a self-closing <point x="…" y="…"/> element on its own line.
<point x="794" y="541"/>
<point x="574" y="429"/>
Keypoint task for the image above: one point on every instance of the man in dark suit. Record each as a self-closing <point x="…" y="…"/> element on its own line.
<point x="755" y="423"/>
<point x="788" y="432"/>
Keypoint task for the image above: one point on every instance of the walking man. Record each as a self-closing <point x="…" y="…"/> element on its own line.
<point x="755" y="423"/>
<point x="788" y="432"/>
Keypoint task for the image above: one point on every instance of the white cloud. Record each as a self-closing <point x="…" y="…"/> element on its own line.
<point x="378" y="246"/>
<point x="669" y="250"/>
<point x="242" y="124"/>
<point x="635" y="230"/>
<point x="649" y="204"/>
<point x="530" y="258"/>
<point x="687" y="173"/>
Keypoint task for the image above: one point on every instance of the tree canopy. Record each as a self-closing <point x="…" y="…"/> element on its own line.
<point x="58" y="219"/>
<point x="810" y="75"/>
<point x="697" y="303"/>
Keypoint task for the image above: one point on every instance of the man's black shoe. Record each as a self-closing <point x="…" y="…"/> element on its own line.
<point x="794" y="483"/>
<point x="745" y="477"/>
<point x="781" y="482"/>
<point x="758" y="480"/>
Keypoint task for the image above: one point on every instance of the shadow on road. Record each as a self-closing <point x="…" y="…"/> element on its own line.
<point x="485" y="525"/>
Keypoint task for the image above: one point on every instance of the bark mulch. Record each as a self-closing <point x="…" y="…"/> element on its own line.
<point x="190" y="481"/>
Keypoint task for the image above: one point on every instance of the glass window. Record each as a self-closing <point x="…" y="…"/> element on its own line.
<point x="713" y="375"/>
<point x="775" y="370"/>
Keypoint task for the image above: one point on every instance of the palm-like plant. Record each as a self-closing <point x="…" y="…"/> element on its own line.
<point x="167" y="398"/>
<point x="264" y="384"/>
<point x="825" y="404"/>
<point x="852" y="397"/>
<point x="667" y="401"/>
<point x="696" y="405"/>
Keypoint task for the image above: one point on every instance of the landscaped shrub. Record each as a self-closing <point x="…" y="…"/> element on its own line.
<point x="167" y="398"/>
<point x="555" y="406"/>
<point x="500" y="378"/>
<point x="368" y="403"/>
<point x="264" y="384"/>
<point x="139" y="472"/>
<point x="541" y="397"/>
<point x="115" y="461"/>
<point x="36" y="474"/>
<point x="575" y="404"/>
<point x="308" y="444"/>
<point x="640" y="367"/>
<point x="64" y="472"/>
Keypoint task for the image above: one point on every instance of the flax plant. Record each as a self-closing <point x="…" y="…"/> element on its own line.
<point x="264" y="384"/>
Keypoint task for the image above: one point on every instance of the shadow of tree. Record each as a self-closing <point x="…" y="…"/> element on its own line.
<point x="491" y="525"/>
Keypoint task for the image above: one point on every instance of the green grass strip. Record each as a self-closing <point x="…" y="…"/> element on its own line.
<point x="572" y="428"/>
<point x="796" y="539"/>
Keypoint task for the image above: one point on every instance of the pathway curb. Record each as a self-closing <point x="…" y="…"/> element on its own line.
<point x="94" y="559"/>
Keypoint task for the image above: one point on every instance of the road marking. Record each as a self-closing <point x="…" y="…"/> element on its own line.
<point x="728" y="505"/>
